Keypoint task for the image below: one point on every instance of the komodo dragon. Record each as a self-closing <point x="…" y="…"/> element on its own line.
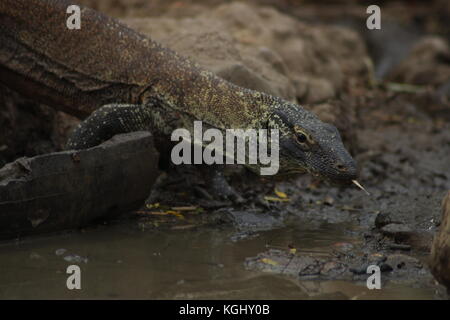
<point x="123" y="81"/>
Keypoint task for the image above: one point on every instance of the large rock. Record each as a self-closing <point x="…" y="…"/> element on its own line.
<point x="427" y="63"/>
<point x="261" y="48"/>
<point x="440" y="252"/>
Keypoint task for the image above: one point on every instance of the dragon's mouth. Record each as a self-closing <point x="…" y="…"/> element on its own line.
<point x="331" y="177"/>
<point x="338" y="180"/>
<point x="328" y="176"/>
<point x="292" y="171"/>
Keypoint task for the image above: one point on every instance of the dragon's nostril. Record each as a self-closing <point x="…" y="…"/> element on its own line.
<point x="341" y="167"/>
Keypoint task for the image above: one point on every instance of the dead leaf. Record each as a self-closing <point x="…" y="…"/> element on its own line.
<point x="275" y="199"/>
<point x="175" y="213"/>
<point x="156" y="213"/>
<point x="281" y="194"/>
<point x="152" y="205"/>
<point x="187" y="208"/>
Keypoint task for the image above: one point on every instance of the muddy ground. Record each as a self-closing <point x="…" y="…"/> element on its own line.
<point x="388" y="94"/>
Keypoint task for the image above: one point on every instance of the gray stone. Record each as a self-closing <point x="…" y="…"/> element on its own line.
<point x="396" y="230"/>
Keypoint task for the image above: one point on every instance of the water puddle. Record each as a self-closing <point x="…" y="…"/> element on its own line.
<point x="121" y="262"/>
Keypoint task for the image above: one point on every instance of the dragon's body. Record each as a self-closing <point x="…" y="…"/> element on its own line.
<point x="123" y="81"/>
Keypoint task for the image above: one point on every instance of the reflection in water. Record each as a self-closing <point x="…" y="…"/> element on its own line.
<point x="121" y="262"/>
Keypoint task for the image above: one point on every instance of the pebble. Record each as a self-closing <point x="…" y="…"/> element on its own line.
<point x="382" y="219"/>
<point x="75" y="259"/>
<point x="60" y="252"/>
<point x="396" y="229"/>
<point x="376" y="258"/>
<point x="402" y="261"/>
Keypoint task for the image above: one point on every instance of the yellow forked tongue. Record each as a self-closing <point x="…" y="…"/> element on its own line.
<point x="360" y="186"/>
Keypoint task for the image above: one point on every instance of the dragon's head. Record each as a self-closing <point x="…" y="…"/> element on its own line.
<point x="308" y="144"/>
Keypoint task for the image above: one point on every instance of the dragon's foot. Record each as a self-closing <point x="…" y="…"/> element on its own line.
<point x="220" y="188"/>
<point x="205" y="182"/>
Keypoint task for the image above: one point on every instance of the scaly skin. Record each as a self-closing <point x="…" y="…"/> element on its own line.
<point x="143" y="86"/>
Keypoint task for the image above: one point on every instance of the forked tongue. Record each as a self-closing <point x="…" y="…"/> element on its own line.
<point x="361" y="187"/>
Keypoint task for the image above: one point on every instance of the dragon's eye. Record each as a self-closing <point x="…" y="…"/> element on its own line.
<point x="300" y="137"/>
